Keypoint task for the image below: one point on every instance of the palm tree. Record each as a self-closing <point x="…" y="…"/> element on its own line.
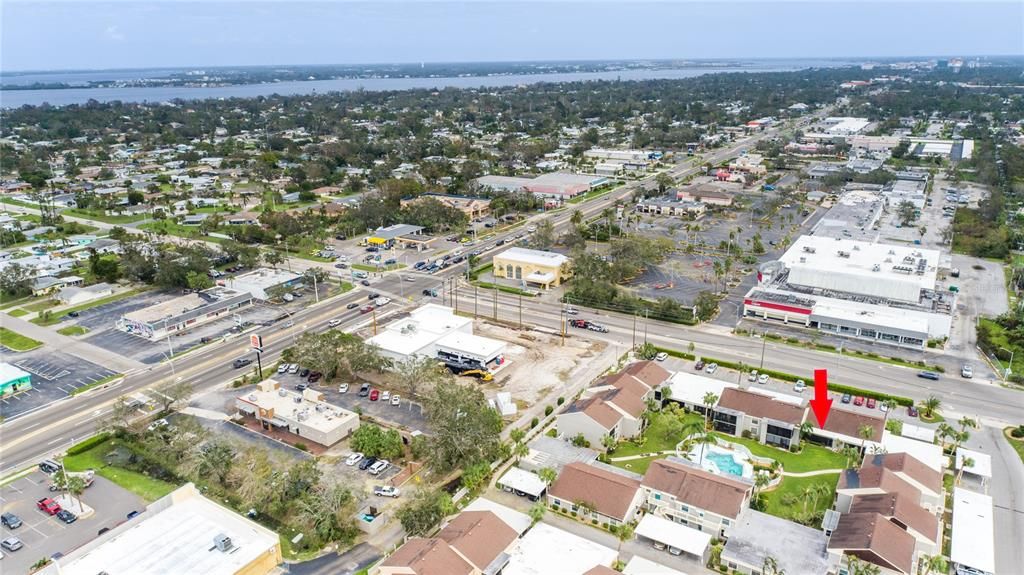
<point x="944" y="431"/>
<point x="771" y="566"/>
<point x="936" y="563"/>
<point x="576" y="218"/>
<point x="547" y="475"/>
<point x="967" y="423"/>
<point x="865" y="432"/>
<point x="520" y="450"/>
<point x="930" y="406"/>
<point x="703" y="438"/>
<point x="852" y="455"/>
<point x="964" y="464"/>
<point x="75" y="485"/>
<point x="710" y="399"/>
<point x="536" y="512"/>
<point x="806" y="428"/>
<point x="609" y="442"/>
<point x="856" y="566"/>
<point x="624" y="533"/>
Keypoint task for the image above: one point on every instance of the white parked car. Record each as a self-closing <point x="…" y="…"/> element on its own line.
<point x="334" y="323"/>
<point x="711" y="368"/>
<point x="386" y="491"/>
<point x="800" y="386"/>
<point x="662" y="356"/>
<point x="353" y="459"/>
<point x="379" y="467"/>
<point x="385" y="396"/>
<point x="396" y="399"/>
<point x="281" y="368"/>
<point x="158" y="424"/>
<point x="752" y="376"/>
<point x="343" y="388"/>
<point x="293" y="368"/>
<point x="763" y="378"/>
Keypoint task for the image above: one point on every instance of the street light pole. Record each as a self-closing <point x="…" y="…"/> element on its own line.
<point x="764" y="343"/>
<point x="1009" y="368"/>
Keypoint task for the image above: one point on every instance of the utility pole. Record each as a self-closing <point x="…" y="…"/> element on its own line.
<point x="455" y="292"/>
<point x="316" y="291"/>
<point x="495" y="291"/>
<point x="476" y="300"/>
<point x="634" y="330"/>
<point x="764" y="343"/>
<point x="563" y="326"/>
<point x="374" y="320"/>
<point x="520" y="311"/>
<point x="646" y="310"/>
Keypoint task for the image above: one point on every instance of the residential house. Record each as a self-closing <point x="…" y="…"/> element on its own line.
<point x="471" y="206"/>
<point x="473" y="543"/>
<point x="80" y="295"/>
<point x="907" y="514"/>
<point x="597" y="491"/>
<point x="872" y="538"/>
<point x="614" y="405"/>
<point x="770" y="419"/>
<point x="757" y="536"/>
<point x="680" y="491"/>
<point x="549" y="452"/>
<point x="45" y="285"/>
<point x="843" y="427"/>
<point x="871" y="480"/>
<point x="926" y="480"/>
<point x="705" y="193"/>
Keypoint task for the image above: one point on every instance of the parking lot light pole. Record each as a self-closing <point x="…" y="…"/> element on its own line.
<point x="1009" y="367"/>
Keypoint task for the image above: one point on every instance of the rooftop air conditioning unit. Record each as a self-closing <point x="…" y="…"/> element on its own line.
<point x="222" y="542"/>
<point x="803" y="260"/>
<point x="876" y="268"/>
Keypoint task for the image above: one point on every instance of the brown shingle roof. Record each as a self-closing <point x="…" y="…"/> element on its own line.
<point x="877" y="477"/>
<point x="848" y="423"/>
<point x="759" y="405"/>
<point x="479" y="536"/>
<point x="909" y="465"/>
<point x="873" y="538"/>
<point x="697" y="487"/>
<point x="628" y="399"/>
<point x="428" y="557"/>
<point x="595" y="408"/>
<point x="648" y="372"/>
<point x="902" y="509"/>
<point x="606" y="492"/>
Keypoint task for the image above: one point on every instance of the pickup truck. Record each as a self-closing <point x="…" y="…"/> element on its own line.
<point x="48" y="505"/>
<point x="87" y="477"/>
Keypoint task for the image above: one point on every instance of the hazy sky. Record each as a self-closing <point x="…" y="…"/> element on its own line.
<point x="85" y="34"/>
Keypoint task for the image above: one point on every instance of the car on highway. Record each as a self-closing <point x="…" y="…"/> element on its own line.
<point x="396" y="399"/>
<point x="373" y="295"/>
<point x="386" y="491"/>
<point x="870" y="403"/>
<point x="571" y="311"/>
<point x="66" y="516"/>
<point x="353" y="459"/>
<point x="365" y="283"/>
<point x="366" y="463"/>
<point x="597" y="327"/>
<point x="966" y="371"/>
<point x="662" y="356"/>
<point x="381" y="302"/>
<point x="240" y="363"/>
<point x="912" y="411"/>
<point x="699" y="365"/>
<point x="352" y="305"/>
<point x="763" y="378"/>
<point x="11" y="544"/>
<point x="334" y="323"/>
<point x="800" y="386"/>
<point x="366" y="309"/>
<point x="858" y="401"/>
<point x="48" y="506"/>
<point x="10" y="521"/>
<point x="711" y="368"/>
<point x="846" y="398"/>
<point x="928" y="375"/>
<point x="430" y="292"/>
<point x="374" y="395"/>
<point x="341" y="265"/>
<point x="364" y="390"/>
<point x="343" y="388"/>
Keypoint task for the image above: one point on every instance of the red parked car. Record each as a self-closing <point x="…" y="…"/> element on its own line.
<point x="48" y="505"/>
<point x="871" y="403"/>
<point x="858" y="401"/>
<point x="374" y="395"/>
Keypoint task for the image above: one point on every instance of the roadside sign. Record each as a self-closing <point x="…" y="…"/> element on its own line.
<point x="256" y="341"/>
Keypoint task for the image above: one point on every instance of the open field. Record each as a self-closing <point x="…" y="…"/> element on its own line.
<point x="17" y="342"/>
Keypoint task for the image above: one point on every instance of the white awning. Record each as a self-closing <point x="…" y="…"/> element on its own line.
<point x="973" y="532"/>
<point x="246" y="408"/>
<point x="674" y="535"/>
<point x="981" y="463"/>
<point x="541" y="277"/>
<point x="523" y="481"/>
<point x="278" y="422"/>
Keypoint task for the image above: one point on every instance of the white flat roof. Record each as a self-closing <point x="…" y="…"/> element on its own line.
<point x="522" y="480"/>
<point x="514" y="519"/>
<point x="927" y="453"/>
<point x="920" y="433"/>
<point x="545" y="550"/>
<point x="674" y="534"/>
<point x="691" y="387"/>
<point x="640" y="566"/>
<point x="846" y="125"/>
<point x="472" y="344"/>
<point x="282" y="401"/>
<point x="815" y="261"/>
<point x="881" y="316"/>
<point x="982" y="466"/>
<point x="423" y="327"/>
<point x="10" y="372"/>
<point x="261" y="278"/>
<point x="535" y="257"/>
<point x="177" y="539"/>
<point x="973" y="531"/>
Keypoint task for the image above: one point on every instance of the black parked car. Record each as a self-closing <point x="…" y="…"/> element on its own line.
<point x="10" y="520"/>
<point x="304" y="372"/>
<point x="67" y="516"/>
<point x="366" y="463"/>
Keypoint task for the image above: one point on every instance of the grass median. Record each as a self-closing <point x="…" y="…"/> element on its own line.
<point x="73" y="330"/>
<point x="17" y="342"/>
<point x="95" y="384"/>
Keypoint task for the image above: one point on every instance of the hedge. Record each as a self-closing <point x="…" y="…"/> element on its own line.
<point x="83" y="446"/>
<point x="838" y="388"/>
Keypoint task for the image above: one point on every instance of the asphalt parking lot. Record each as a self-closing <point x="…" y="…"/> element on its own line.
<point x="43" y="535"/>
<point x="408" y="415"/>
<point x="55" y="375"/>
<point x="105" y="315"/>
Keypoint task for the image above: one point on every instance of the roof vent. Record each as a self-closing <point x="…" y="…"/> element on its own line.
<point x="222" y="542"/>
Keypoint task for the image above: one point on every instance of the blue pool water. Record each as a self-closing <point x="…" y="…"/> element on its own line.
<point x="726" y="463"/>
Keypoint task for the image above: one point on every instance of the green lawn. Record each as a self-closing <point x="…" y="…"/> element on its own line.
<point x="591" y="195"/>
<point x="795" y="486"/>
<point x="102" y="217"/>
<point x="142" y="485"/>
<point x="41" y="305"/>
<point x="998" y="338"/>
<point x="73" y="330"/>
<point x="1016" y="444"/>
<point x="172" y="228"/>
<point x="364" y="267"/>
<point x="17" y="312"/>
<point x="56" y="317"/>
<point x="636" y="465"/>
<point x="655" y="438"/>
<point x="6" y="302"/>
<point x="810" y="458"/>
<point x="16" y="341"/>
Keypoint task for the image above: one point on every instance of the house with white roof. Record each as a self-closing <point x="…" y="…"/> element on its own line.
<point x="546" y="269"/>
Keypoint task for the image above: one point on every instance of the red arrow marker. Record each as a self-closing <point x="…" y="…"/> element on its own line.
<point x="821" y="404"/>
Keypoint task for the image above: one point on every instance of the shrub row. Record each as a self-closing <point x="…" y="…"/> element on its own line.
<point x="83" y="446"/>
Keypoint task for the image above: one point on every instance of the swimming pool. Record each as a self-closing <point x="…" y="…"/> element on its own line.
<point x="725" y="463"/>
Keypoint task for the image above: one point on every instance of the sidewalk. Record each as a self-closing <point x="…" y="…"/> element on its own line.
<point x="71" y="345"/>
